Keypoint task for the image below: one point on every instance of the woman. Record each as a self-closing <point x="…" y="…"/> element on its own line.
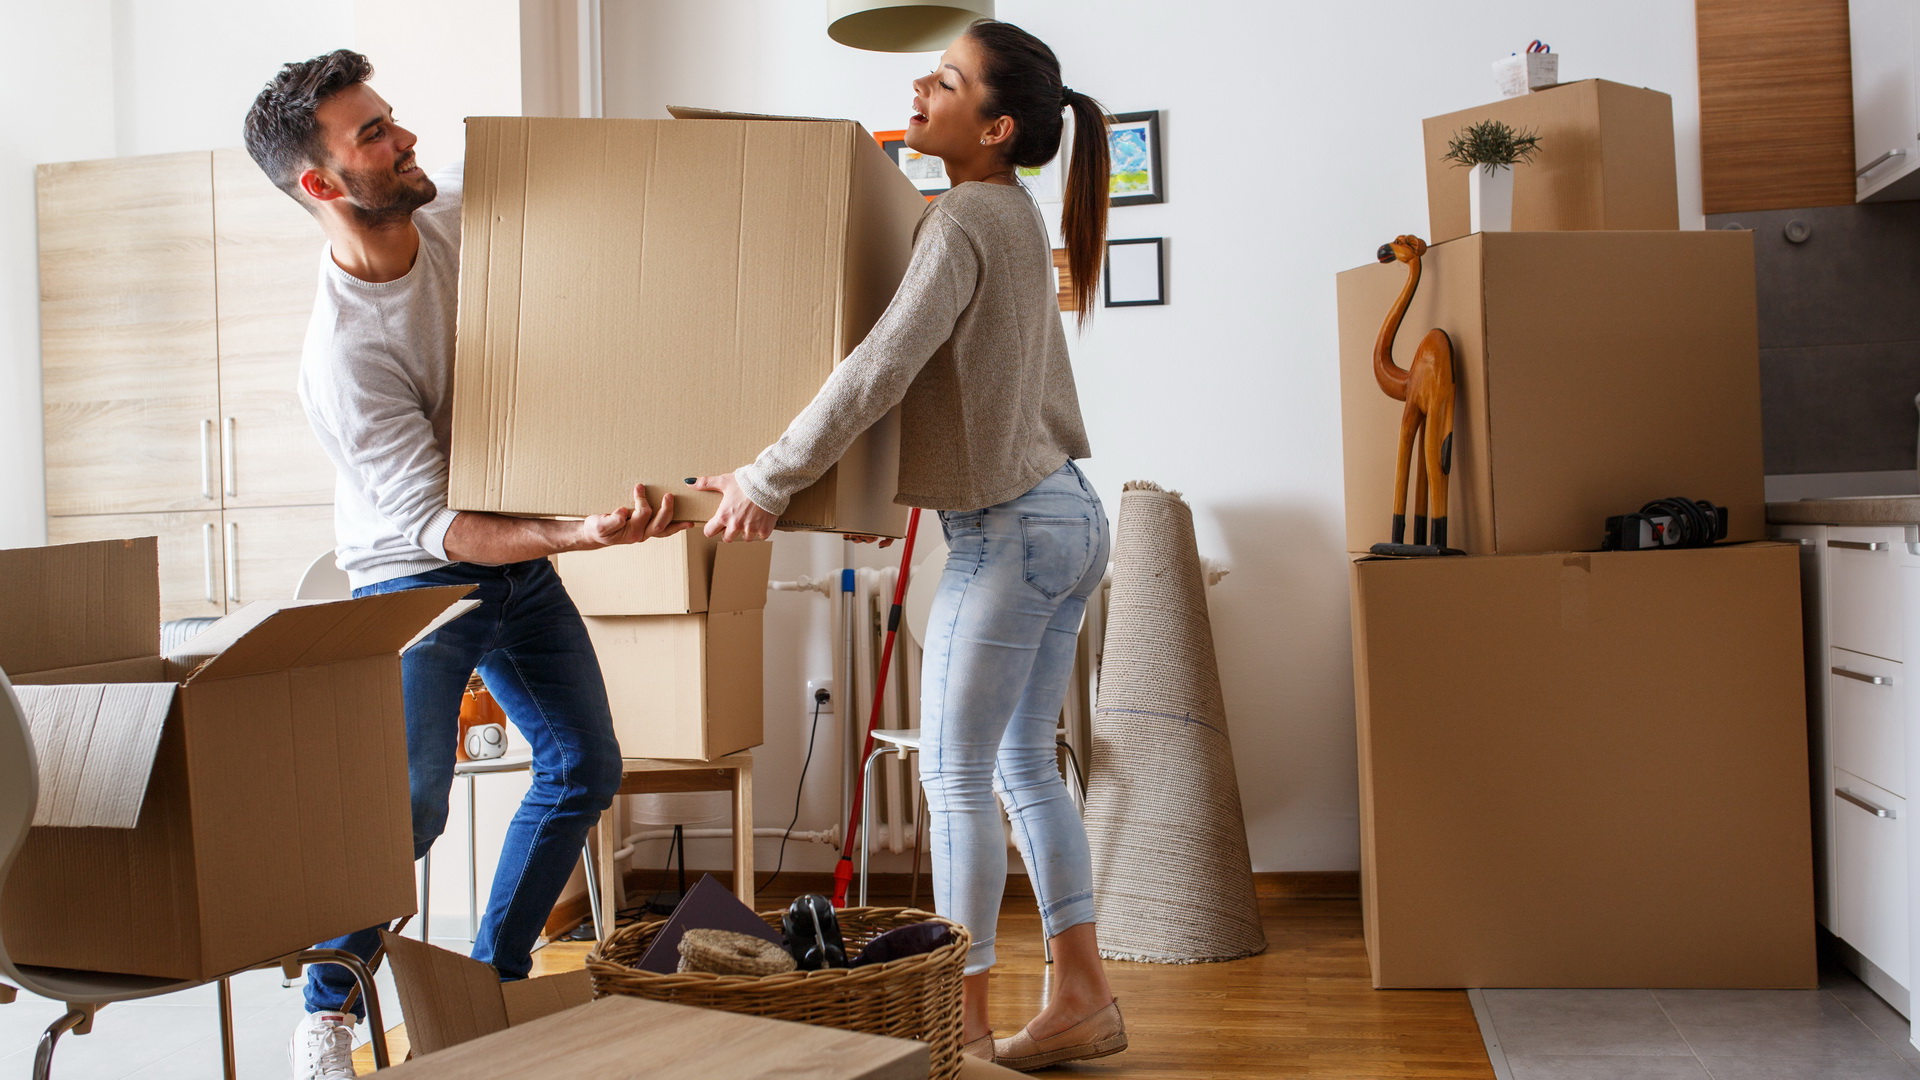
<point x="991" y="426"/>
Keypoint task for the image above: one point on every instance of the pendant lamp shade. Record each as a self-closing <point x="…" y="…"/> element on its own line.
<point x="897" y="26"/>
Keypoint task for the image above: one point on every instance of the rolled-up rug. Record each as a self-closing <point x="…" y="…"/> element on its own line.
<point x="1172" y="879"/>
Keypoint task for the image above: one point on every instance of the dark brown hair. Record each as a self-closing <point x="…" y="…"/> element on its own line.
<point x="281" y="133"/>
<point x="1022" y="78"/>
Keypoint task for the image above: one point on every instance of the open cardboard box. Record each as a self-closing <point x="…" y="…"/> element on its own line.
<point x="1584" y="769"/>
<point x="204" y="811"/>
<point x="647" y="300"/>
<point x="1595" y="372"/>
<point x="676" y="624"/>
<point x="449" y="999"/>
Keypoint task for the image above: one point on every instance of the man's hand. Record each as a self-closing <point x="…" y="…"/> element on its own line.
<point x="738" y="518"/>
<point x="631" y="525"/>
<point x="863" y="538"/>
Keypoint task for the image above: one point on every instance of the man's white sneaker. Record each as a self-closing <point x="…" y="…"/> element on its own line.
<point x="322" y="1047"/>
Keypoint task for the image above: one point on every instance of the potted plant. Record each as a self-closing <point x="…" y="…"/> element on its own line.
<point x="1489" y="150"/>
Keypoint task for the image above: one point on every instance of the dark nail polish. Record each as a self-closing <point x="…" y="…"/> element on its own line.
<point x="693" y="479"/>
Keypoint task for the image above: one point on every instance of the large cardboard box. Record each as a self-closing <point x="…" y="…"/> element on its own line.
<point x="1595" y="372"/>
<point x="449" y="999"/>
<point x="1584" y="770"/>
<point x="1606" y="160"/>
<point x="215" y="808"/>
<point x="647" y="300"/>
<point x="676" y="624"/>
<point x="682" y="574"/>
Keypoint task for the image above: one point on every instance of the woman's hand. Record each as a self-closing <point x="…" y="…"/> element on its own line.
<point x="863" y="538"/>
<point x="738" y="518"/>
<point x="631" y="525"/>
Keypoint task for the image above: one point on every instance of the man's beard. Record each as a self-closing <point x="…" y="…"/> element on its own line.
<point x="385" y="199"/>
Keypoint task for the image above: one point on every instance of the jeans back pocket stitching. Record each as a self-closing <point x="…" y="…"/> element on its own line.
<point x="1027" y="553"/>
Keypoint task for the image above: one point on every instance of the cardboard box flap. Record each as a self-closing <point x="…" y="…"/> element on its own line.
<point x="272" y="635"/>
<point x="71" y="605"/>
<point x="531" y="999"/>
<point x="740" y="574"/>
<point x="690" y="112"/>
<point x="447" y="998"/>
<point x="94" y="747"/>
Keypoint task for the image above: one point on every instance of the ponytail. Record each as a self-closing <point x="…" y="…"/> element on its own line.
<point x="1083" y="213"/>
<point x="1023" y="82"/>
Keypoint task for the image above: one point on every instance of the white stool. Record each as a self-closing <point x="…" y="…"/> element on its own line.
<point x="468" y="770"/>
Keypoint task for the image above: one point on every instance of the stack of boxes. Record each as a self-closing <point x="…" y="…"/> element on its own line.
<point x="1577" y="769"/>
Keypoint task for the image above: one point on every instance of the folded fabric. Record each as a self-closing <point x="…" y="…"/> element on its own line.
<point x="904" y="941"/>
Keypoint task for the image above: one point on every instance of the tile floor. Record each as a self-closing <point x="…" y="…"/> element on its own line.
<point x="1840" y="1030"/>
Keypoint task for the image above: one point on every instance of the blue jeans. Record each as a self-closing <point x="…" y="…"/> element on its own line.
<point x="529" y="645"/>
<point x="999" y="653"/>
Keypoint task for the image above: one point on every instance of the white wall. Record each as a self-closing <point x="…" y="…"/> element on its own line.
<point x="1293" y="150"/>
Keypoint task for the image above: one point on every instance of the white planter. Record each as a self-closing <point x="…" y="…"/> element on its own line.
<point x="1490" y="199"/>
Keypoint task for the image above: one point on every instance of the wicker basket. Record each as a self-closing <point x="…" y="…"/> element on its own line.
<point x="915" y="997"/>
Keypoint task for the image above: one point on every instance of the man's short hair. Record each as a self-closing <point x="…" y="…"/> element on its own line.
<point x="281" y="133"/>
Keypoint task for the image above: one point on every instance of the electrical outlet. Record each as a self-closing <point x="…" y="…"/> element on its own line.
<point x="816" y="687"/>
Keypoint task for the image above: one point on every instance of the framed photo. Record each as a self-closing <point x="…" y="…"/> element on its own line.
<point x="1136" y="272"/>
<point x="1134" y="139"/>
<point x="929" y="174"/>
<point x="1047" y="183"/>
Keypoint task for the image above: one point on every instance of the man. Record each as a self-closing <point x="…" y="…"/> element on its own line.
<point x="376" y="379"/>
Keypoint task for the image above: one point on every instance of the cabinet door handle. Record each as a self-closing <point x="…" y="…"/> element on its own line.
<point x="1877" y="680"/>
<point x="206" y="556"/>
<point x="233" y="562"/>
<point x="1877" y="162"/>
<point x="1861" y="545"/>
<point x="1871" y="808"/>
<point x="226" y="459"/>
<point x="206" y="458"/>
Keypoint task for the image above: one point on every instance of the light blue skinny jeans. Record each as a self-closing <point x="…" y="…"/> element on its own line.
<point x="999" y="653"/>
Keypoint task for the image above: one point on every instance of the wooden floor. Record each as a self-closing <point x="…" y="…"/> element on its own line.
<point x="1302" y="1008"/>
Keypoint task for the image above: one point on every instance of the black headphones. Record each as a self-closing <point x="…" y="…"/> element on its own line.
<point x="813" y="934"/>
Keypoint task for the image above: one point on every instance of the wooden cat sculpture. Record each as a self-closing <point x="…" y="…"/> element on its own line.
<point x="1426" y="385"/>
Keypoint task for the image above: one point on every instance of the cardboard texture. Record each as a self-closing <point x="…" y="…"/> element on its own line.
<point x="647" y="300"/>
<point x="275" y="810"/>
<point x="681" y="574"/>
<point x="620" y="1037"/>
<point x="1595" y="372"/>
<point x="449" y="999"/>
<point x="1606" y="161"/>
<point x="682" y="687"/>
<point x="1584" y="770"/>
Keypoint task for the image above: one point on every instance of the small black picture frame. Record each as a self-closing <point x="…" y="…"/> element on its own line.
<point x="1139" y="285"/>
<point x="1130" y="185"/>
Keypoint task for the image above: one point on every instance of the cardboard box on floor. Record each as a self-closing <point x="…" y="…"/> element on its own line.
<point x="1584" y="770"/>
<point x="647" y="300"/>
<point x="1595" y="372"/>
<point x="1606" y="160"/>
<point x="449" y="999"/>
<point x="676" y="624"/>
<point x="212" y="809"/>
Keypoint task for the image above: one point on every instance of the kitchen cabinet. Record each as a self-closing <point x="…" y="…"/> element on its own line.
<point x="175" y="293"/>
<point x="1886" y="98"/>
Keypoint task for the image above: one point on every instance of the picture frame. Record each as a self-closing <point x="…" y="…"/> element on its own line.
<point x="929" y="174"/>
<point x="1046" y="183"/>
<point x="1136" y="272"/>
<point x="1138" y="177"/>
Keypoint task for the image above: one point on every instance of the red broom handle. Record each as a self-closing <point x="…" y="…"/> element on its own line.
<point x="843" y="871"/>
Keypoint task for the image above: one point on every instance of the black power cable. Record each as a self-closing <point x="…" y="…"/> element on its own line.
<point x="819" y="699"/>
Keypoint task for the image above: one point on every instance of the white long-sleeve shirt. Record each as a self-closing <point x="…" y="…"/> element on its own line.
<point x="376" y="378"/>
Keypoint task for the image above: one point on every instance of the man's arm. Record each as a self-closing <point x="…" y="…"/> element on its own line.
<point x="495" y="538"/>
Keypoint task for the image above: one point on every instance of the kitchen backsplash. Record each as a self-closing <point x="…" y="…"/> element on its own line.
<point x="1839" y="335"/>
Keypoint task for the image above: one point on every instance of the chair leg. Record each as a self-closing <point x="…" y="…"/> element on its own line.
<point x="600" y="927"/>
<point x="866" y="815"/>
<point x="77" y="1019"/>
<point x="228" y="1068"/>
<point x="364" y="979"/>
<point x="426" y="895"/>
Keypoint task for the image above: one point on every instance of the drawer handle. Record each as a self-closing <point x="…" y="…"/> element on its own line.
<point x="206" y="459"/>
<point x="1877" y="680"/>
<point x="1876" y="811"/>
<point x="1861" y="545"/>
<point x="1877" y="162"/>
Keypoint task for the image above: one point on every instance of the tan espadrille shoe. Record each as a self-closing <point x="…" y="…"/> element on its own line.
<point x="981" y="1048"/>
<point x="1096" y="1036"/>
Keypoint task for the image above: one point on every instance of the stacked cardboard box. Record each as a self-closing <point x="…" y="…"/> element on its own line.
<point x="1577" y="769"/>
<point x="676" y="624"/>
<point x="647" y="300"/>
<point x="215" y="808"/>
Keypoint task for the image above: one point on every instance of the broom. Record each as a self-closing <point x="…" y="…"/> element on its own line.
<point x="843" y="870"/>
